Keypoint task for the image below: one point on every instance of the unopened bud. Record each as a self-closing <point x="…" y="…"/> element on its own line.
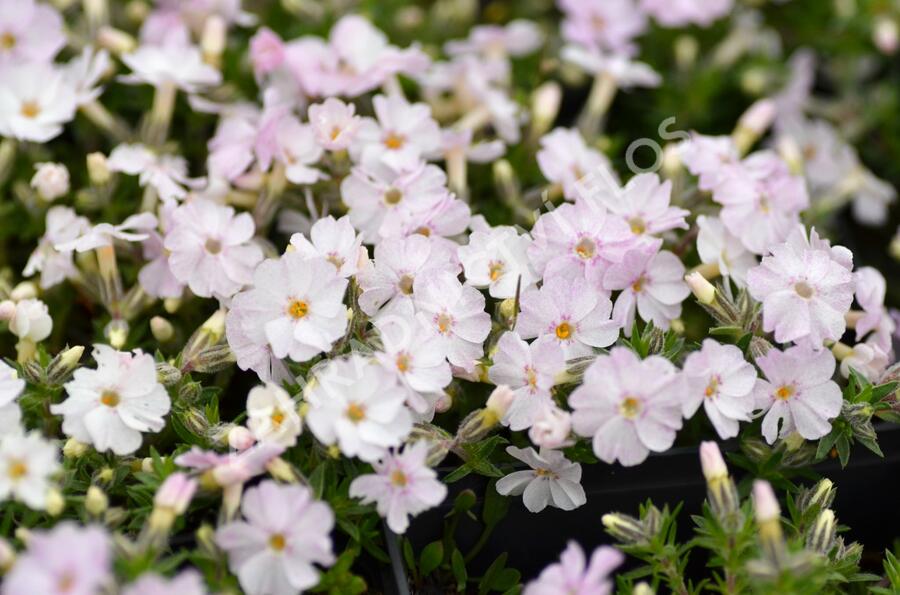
<point x="95" y="501"/>
<point x="175" y="493"/>
<point x="55" y="502"/>
<point x="768" y="521"/>
<point x="73" y="449"/>
<point x="711" y="461"/>
<point x="820" y="537"/>
<point x="161" y="328"/>
<point x="721" y="492"/>
<point x="212" y="41"/>
<point x="686" y="49"/>
<point x="508" y="309"/>
<point x="753" y="124"/>
<point x="545" y="107"/>
<point x="500" y="400"/>
<point x="64" y="364"/>
<point x="51" y="180"/>
<point x="642" y="588"/>
<point x="240" y="438"/>
<point x="195" y="421"/>
<point x="171" y="305"/>
<point x="443" y="403"/>
<point x="281" y="470"/>
<point x="116" y="333"/>
<point x="551" y="427"/>
<point x="703" y="290"/>
<point x="206" y="539"/>
<point x="115" y="40"/>
<point x="98" y="169"/>
<point x="791" y="153"/>
<point x="437" y="439"/>
<point x="820" y="496"/>
<point x="214" y="359"/>
<point x="167" y="374"/>
<point x="626" y="529"/>
<point x="105" y="475"/>
<point x="26" y="290"/>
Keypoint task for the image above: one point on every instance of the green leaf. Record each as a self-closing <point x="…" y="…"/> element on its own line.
<point x="491" y="573"/>
<point x="431" y="557"/>
<point x="409" y="557"/>
<point x="843" y="448"/>
<point x="317" y="480"/>
<point x="458" y="566"/>
<point x="827" y="442"/>
<point x="464" y="501"/>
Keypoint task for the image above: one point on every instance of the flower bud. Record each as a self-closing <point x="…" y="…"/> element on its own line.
<point x="167" y="374"/>
<point x="281" y="470"/>
<point x="212" y="41"/>
<point x="63" y="365"/>
<point x="161" y="328"/>
<point x="885" y="34"/>
<point x="147" y="465"/>
<point x="820" y="537"/>
<point x="105" y="475"/>
<point x="702" y="289"/>
<point x="711" y="461"/>
<point x="115" y="40"/>
<point x="51" y="180"/>
<point x="753" y="124"/>
<point x="95" y="501"/>
<point x="26" y="290"/>
<point x="768" y="521"/>
<point x="500" y="400"/>
<point x="7" y="556"/>
<point x="116" y="333"/>
<point x="240" y="438"/>
<point x="438" y="440"/>
<point x="73" y="449"/>
<point x="626" y="529"/>
<point x="551" y="427"/>
<point x="206" y="539"/>
<point x="443" y="403"/>
<point x="642" y="588"/>
<point x="55" y="502"/>
<point x="213" y="359"/>
<point x="820" y="496"/>
<point x="7" y="310"/>
<point x="175" y="493"/>
<point x="721" y="491"/>
<point x="545" y="104"/>
<point x="98" y="169"/>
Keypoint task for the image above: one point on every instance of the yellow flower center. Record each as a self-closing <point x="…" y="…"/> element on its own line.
<point x="17" y="469"/>
<point x="7" y="41"/>
<point x="563" y="330"/>
<point x="585" y="248"/>
<point x="336" y="260"/>
<point x="398" y="478"/>
<point x="277" y="417"/>
<point x="30" y="109"/>
<point x="540" y="472"/>
<point x="764" y="204"/>
<point x="277" y="542"/>
<point x="531" y="377"/>
<point x="393" y="196"/>
<point x="630" y="407"/>
<point x="403" y="362"/>
<point x="394" y="141"/>
<point x="444" y="322"/>
<point x="637" y="225"/>
<point x="355" y="413"/>
<point x="803" y="289"/>
<point x="110" y="398"/>
<point x="495" y="269"/>
<point x="712" y="388"/>
<point x="785" y="392"/>
<point x="213" y="246"/>
<point x="423" y="231"/>
<point x="638" y="286"/>
<point x="335" y="132"/>
<point x="406" y="284"/>
<point x="298" y="309"/>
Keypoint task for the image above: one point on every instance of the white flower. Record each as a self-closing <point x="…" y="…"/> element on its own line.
<point x="167" y="174"/>
<point x="357" y="404"/>
<point x="11" y="386"/>
<point x="109" y="407"/>
<point x="29" y="32"/>
<point x="133" y="229"/>
<point x="866" y="358"/>
<point x="272" y="415"/>
<point x="498" y="259"/>
<point x="402" y="485"/>
<point x="51" y="180"/>
<point x="298" y="150"/>
<point x="179" y="65"/>
<point x="336" y="241"/>
<point x="553" y="480"/>
<point x="31" y="321"/>
<point x="298" y="303"/>
<point x="26" y="463"/>
<point x="35" y="102"/>
<point x="403" y="134"/>
<point x="717" y="246"/>
<point x="63" y="225"/>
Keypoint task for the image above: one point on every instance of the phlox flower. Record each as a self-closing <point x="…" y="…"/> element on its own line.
<point x="719" y="377"/>
<point x="134" y="228"/>
<point x="516" y="38"/>
<point x="402" y="486"/>
<point x="606" y="24"/>
<point x="334" y="123"/>
<point x="111" y="406"/>
<point x="26" y="463"/>
<point x="284" y="535"/>
<point x="761" y="200"/>
<point x="552" y="480"/>
<point x="580" y="239"/>
<point x="398" y="262"/>
<point x="29" y="32"/>
<point x="31" y="320"/>
<point x="186" y="582"/>
<point x="232" y="470"/>
<point x="62" y="226"/>
<point x="576" y="575"/>
<point x="805" y="287"/>
<point x="272" y="415"/>
<point x="498" y="259"/>
<point x="870" y="290"/>
<point x="530" y="370"/>
<point x="299" y="150"/>
<point x="247" y="340"/>
<point x="11" y="386"/>
<point x="866" y="358"/>
<point x="797" y="392"/>
<point x="211" y="248"/>
<point x="180" y="66"/>
<point x="299" y="303"/>
<point x="35" y="100"/>
<point x="626" y="73"/>
<point x="359" y="405"/>
<point x="156" y="276"/>
<point x="455" y="313"/>
<point x="266" y="52"/>
<point x="65" y="560"/>
<point x="461" y="142"/>
<point x="681" y="13"/>
<point x="651" y="283"/>
<point x="644" y="204"/>
<point x="402" y="135"/>
<point x="167" y="174"/>
<point x="551" y="427"/>
<point x="50" y="180"/>
<point x="705" y="157"/>
<point x="628" y="406"/>
<point x="717" y="246"/>
<point x="379" y="196"/>
<point x="446" y="218"/>
<point x="336" y="241"/>
<point x="571" y="313"/>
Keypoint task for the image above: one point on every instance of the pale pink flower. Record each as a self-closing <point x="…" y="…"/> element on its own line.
<point x="516" y="38"/>
<point x="681" y="13"/>
<point x="175" y="493"/>
<point x="552" y="480"/>
<point x="36" y="100"/>
<point x="579" y="240"/>
<point x="644" y="204"/>
<point x="27" y="463"/>
<point x="497" y="259"/>
<point x="266" y="51"/>
<point x="402" y="486"/>
<point x="607" y="24"/>
<point x="63" y="225"/>
<point x="461" y="141"/>
<point x="211" y="248"/>
<point x="335" y="123"/>
<point x="652" y="283"/>
<point x="564" y="158"/>
<point x="336" y="241"/>
<point x="181" y="66"/>
<point x="805" y="290"/>
<point x="156" y="276"/>
<point x="798" y="392"/>
<point x="285" y="534"/>
<point x="707" y="156"/>
<point x="530" y="370"/>
<point x="446" y="218"/>
<point x="50" y="180"/>
<point x="65" y="560"/>
<point x="719" y="377"/>
<point x="574" y="574"/>
<point x="398" y="261"/>
<point x="247" y="340"/>
<point x="403" y="134"/>
<point x="716" y="245"/>
<point x="628" y="406"/>
<point x="761" y="200"/>
<point x="358" y="405"/>
<point x="866" y="358"/>
<point x="455" y="313"/>
<point x="298" y="150"/>
<point x="272" y="415"/>
<point x="186" y="582"/>
<point x="380" y="198"/>
<point x="29" y="32"/>
<point x="167" y="174"/>
<point x="135" y="228"/>
<point x="626" y="73"/>
<point x="551" y="427"/>
<point x="299" y="303"/>
<point x="231" y="470"/>
<point x="870" y="291"/>
<point x="571" y="313"/>
<point x="111" y="406"/>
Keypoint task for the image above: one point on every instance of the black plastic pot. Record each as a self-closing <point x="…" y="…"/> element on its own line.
<point x="866" y="502"/>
